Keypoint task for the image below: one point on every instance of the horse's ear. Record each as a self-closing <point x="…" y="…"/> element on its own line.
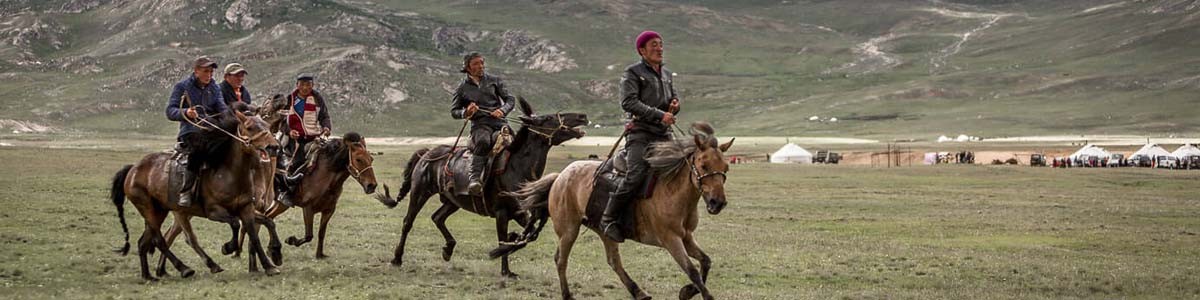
<point x="526" y="120"/>
<point x="725" y="147"/>
<point x="525" y="108"/>
<point x="241" y="117"/>
<point x="701" y="142"/>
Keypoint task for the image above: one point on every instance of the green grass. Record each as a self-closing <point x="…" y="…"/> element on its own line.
<point x="790" y="232"/>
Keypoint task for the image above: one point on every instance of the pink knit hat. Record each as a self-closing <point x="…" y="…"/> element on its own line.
<point x="644" y="38"/>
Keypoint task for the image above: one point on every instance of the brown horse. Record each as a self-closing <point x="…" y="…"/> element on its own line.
<point x="429" y="173"/>
<point x="319" y="191"/>
<point x="226" y="188"/>
<point x="687" y="172"/>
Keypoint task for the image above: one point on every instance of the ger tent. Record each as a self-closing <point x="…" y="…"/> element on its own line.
<point x="791" y="153"/>
<point x="1089" y="151"/>
<point x="1186" y="150"/>
<point x="1152" y="151"/>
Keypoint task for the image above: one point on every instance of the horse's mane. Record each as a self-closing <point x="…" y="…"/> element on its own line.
<point x="667" y="157"/>
<point x="521" y="138"/>
<point x="212" y="144"/>
<point x="335" y="151"/>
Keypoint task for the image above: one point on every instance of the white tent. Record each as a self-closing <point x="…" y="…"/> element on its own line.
<point x="1186" y="150"/>
<point x="943" y="139"/>
<point x="962" y="138"/>
<point x="1090" y="150"/>
<point x="791" y="153"/>
<point x="1151" y="151"/>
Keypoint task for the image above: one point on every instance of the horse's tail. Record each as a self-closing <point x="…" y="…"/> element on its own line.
<point x="405" y="187"/>
<point x="535" y="199"/>
<point x="118" y="199"/>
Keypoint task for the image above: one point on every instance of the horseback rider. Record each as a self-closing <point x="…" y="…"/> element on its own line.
<point x="307" y="119"/>
<point x="480" y="92"/>
<point x="203" y="98"/>
<point x="233" y="88"/>
<point x="649" y="100"/>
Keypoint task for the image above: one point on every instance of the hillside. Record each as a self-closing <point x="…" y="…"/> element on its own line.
<point x="897" y="69"/>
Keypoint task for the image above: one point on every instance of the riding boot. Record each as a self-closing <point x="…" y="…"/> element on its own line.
<point x="478" y="163"/>
<point x="283" y="190"/>
<point x="185" y="191"/>
<point x="610" y="222"/>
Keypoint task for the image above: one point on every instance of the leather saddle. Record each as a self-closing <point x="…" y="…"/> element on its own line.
<point x="608" y="175"/>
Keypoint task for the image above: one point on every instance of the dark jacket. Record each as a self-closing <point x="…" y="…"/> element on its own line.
<point x="645" y="97"/>
<point x="490" y="94"/>
<point x="208" y="97"/>
<point x="230" y="96"/>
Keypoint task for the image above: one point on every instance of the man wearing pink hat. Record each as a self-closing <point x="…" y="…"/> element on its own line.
<point x="650" y="103"/>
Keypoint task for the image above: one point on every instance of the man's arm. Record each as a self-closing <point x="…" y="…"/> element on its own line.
<point x="458" y="105"/>
<point x="508" y="99"/>
<point x="323" y="115"/>
<point x="675" y="97"/>
<point x="174" y="113"/>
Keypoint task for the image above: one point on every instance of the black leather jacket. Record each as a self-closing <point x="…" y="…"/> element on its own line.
<point x="646" y="95"/>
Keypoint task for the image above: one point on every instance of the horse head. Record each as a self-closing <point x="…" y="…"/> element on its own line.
<point x="359" y="161"/>
<point x="255" y="137"/>
<point x="708" y="166"/>
<point x="558" y="128"/>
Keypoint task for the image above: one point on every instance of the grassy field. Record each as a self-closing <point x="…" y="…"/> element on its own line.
<point x="790" y="232"/>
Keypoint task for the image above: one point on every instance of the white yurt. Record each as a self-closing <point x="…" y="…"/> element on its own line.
<point x="1151" y="151"/>
<point x="1186" y="150"/>
<point x="1090" y="150"/>
<point x="791" y="153"/>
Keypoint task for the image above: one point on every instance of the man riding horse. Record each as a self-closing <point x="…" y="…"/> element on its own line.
<point x="649" y="100"/>
<point x="191" y="97"/>
<point x="481" y="92"/>
<point x="307" y="119"/>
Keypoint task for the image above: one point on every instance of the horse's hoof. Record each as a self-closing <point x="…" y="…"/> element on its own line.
<point x="447" y="252"/>
<point x="161" y="273"/>
<point x="321" y="256"/>
<point x="396" y="262"/>
<point x="187" y="272"/>
<point x="291" y="240"/>
<point x="229" y="248"/>
<point x="688" y="291"/>
<point x="149" y="279"/>
<point x="276" y="256"/>
<point x="272" y="271"/>
<point x="216" y="269"/>
<point x="510" y="275"/>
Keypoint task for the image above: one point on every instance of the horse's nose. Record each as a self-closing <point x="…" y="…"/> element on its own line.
<point x="370" y="189"/>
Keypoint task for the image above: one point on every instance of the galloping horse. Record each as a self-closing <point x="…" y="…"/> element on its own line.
<point x="335" y="161"/>
<point x="428" y="174"/>
<point x="319" y="191"/>
<point x="687" y="171"/>
<point x="227" y="188"/>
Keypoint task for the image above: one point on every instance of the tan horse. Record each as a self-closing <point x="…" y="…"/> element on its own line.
<point x="227" y="188"/>
<point x="687" y="172"/>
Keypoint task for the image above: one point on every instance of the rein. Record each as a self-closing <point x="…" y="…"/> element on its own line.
<point x="245" y="140"/>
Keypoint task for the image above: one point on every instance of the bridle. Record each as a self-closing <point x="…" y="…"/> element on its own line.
<point x="355" y="171"/>
<point x="698" y="176"/>
<point x="550" y="136"/>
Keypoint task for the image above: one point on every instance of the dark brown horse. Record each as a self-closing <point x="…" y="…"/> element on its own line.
<point x="336" y="160"/>
<point x="426" y="175"/>
<point x="226" y="188"/>
<point x="687" y="172"/>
